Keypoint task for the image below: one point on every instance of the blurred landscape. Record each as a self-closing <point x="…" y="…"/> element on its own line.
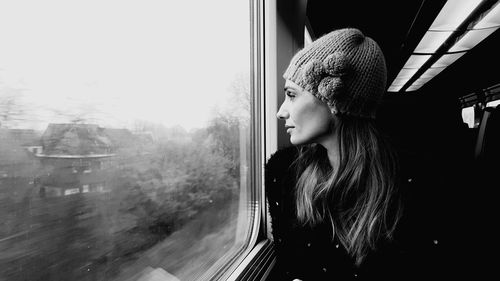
<point x="82" y="202"/>
<point x="123" y="142"/>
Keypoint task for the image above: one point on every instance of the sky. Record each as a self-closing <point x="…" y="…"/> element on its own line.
<point x="117" y="61"/>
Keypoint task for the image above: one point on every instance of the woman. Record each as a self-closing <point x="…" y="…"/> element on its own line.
<point x="334" y="199"/>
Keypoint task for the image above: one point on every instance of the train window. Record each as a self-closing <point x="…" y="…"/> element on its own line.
<point x="468" y="116"/>
<point x="493" y="103"/>
<point x="125" y="139"/>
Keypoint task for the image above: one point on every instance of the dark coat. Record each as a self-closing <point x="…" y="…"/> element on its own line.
<point x="421" y="248"/>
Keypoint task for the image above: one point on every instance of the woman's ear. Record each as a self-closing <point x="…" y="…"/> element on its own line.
<point x="334" y="118"/>
<point x="333" y="110"/>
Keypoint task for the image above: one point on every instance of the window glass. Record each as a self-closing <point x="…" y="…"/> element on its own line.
<point x="493" y="103"/>
<point x="468" y="116"/>
<point x="307" y="37"/>
<point x="124" y="138"/>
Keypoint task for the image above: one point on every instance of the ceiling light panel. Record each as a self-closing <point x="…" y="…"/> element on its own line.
<point x="416" y="61"/>
<point x="471" y="39"/>
<point x="399" y="81"/>
<point x="431" y="41"/>
<point x="453" y="13"/>
<point x="421" y="81"/>
<point x="407" y="73"/>
<point x="393" y="88"/>
<point x="431" y="72"/>
<point x="447" y="59"/>
<point x="413" y="88"/>
<point x="492" y="19"/>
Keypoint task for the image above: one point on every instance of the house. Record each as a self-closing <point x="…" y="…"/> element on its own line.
<point x="76" y="158"/>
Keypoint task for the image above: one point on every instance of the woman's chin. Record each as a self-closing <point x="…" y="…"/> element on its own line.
<point x="296" y="141"/>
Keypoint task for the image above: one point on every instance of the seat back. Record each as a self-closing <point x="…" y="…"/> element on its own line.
<point x="488" y="139"/>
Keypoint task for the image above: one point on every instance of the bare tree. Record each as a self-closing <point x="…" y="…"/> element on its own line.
<point x="12" y="110"/>
<point x="239" y="102"/>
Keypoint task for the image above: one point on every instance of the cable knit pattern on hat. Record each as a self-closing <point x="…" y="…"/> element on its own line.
<point x="344" y="69"/>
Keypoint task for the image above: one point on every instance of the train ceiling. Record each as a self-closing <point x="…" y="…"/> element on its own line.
<point x="399" y="26"/>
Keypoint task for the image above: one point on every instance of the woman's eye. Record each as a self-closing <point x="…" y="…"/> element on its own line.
<point x="290" y="95"/>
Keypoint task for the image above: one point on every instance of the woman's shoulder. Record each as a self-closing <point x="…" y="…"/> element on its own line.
<point x="279" y="174"/>
<point x="282" y="159"/>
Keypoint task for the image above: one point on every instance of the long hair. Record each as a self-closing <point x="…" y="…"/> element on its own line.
<point x="358" y="199"/>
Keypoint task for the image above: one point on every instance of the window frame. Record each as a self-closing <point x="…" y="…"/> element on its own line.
<point x="277" y="25"/>
<point x="239" y="264"/>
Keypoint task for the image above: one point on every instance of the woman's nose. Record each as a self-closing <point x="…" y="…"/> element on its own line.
<point x="282" y="113"/>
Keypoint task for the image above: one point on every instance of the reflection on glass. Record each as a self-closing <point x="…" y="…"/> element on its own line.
<point x="123" y="139"/>
<point x="493" y="103"/>
<point x="468" y="116"/>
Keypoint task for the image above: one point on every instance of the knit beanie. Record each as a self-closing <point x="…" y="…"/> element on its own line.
<point x="344" y="69"/>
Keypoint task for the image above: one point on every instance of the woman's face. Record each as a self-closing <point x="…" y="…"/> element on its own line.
<point x="307" y="119"/>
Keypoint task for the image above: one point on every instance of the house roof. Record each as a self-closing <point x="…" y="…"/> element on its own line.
<point x="75" y="139"/>
<point x="119" y="137"/>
